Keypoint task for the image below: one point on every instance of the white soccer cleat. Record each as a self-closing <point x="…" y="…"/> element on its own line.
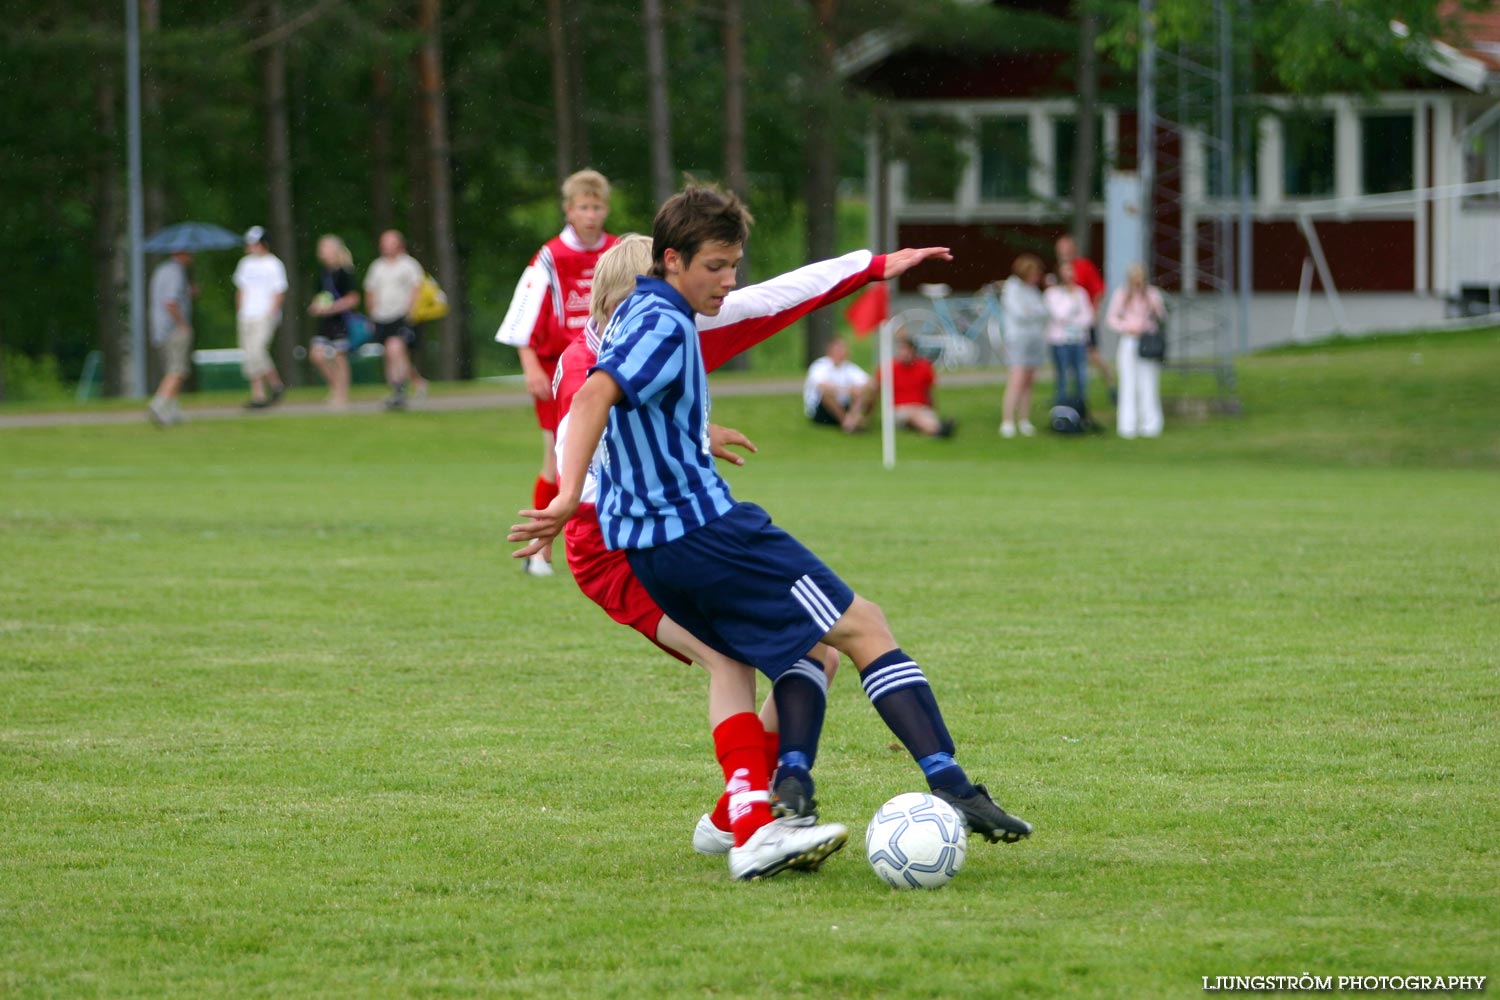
<point x="709" y="839"/>
<point x="537" y="565"/>
<point x="1028" y="429"/>
<point x="1007" y="430"/>
<point x="779" y="845"/>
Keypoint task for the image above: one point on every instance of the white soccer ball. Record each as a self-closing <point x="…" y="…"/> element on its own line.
<point x="916" y="841"/>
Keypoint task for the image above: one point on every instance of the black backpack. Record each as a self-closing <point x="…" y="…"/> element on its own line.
<point x="1070" y="417"/>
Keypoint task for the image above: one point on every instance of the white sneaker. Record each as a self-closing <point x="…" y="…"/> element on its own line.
<point x="779" y="845"/>
<point x="1028" y="429"/>
<point x="157" y="412"/>
<point x="1007" y="430"/>
<point x="709" y="839"/>
<point x="538" y="565"/>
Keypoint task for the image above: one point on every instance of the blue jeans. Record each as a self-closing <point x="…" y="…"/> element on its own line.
<point x="1066" y="358"/>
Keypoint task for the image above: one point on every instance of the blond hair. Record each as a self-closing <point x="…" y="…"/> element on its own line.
<point x="615" y="274"/>
<point x="340" y="250"/>
<point x="583" y="184"/>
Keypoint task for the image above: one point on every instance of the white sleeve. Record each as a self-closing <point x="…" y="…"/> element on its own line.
<point x="857" y="375"/>
<point x="789" y="290"/>
<point x="279" y="285"/>
<point x="520" y="319"/>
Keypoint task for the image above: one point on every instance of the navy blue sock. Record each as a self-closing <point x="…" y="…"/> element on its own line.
<point x="899" y="691"/>
<point x="801" y="699"/>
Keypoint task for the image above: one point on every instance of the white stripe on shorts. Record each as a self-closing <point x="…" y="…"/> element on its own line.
<point x="818" y="607"/>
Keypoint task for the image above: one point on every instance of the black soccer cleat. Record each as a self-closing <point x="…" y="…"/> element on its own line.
<point x="791" y="799"/>
<point x="983" y="816"/>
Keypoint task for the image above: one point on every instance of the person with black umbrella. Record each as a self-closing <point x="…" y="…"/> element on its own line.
<point x="172" y="292"/>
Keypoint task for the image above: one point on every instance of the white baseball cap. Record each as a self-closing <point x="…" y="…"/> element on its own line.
<point x="255" y="234"/>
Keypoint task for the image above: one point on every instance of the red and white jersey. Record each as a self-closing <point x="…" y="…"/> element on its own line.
<point x="748" y="316"/>
<point x="551" y="304"/>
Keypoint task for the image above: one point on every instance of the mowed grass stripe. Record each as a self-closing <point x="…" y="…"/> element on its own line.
<point x="279" y="717"/>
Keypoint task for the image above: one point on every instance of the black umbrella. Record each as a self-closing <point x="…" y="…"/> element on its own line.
<point x="190" y="237"/>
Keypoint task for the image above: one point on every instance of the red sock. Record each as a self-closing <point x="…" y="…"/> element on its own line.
<point x="543" y="493"/>
<point x="739" y="743"/>
<point x="720" y="815"/>
<point x="773" y="750"/>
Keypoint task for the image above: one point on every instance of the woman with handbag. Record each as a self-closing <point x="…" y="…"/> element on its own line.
<point x="1137" y="312"/>
<point x="334" y="305"/>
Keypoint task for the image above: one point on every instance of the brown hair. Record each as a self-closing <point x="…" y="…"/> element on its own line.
<point x="1027" y="266"/>
<point x="696" y="215"/>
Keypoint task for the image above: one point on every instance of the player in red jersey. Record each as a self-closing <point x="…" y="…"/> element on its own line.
<point x="748" y="316"/>
<point x="548" y="312"/>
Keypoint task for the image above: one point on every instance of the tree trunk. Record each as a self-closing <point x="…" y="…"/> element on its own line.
<point x="821" y="190"/>
<point x="1085" y="154"/>
<point x="382" y="209"/>
<point x="279" y="179"/>
<point x="455" y="362"/>
<point x="108" y="265"/>
<point x="418" y="205"/>
<point x="663" y="176"/>
<point x="576" y="19"/>
<point x="562" y="103"/>
<point x="735" y="173"/>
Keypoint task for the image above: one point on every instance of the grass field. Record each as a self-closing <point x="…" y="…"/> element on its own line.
<point x="278" y="718"/>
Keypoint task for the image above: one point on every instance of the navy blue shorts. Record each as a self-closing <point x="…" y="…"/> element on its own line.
<point x="746" y="588"/>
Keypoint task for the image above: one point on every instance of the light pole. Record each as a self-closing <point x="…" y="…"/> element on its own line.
<point x="137" y="384"/>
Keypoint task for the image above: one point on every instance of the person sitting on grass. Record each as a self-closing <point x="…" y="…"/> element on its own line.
<point x="834" y="393"/>
<point x="912" y="379"/>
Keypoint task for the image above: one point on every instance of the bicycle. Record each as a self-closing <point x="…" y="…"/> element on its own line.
<point x="958" y="331"/>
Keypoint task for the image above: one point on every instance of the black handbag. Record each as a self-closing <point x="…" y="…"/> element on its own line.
<point x="1152" y="346"/>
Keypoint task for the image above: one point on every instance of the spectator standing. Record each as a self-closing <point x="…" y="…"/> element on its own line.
<point x="1086" y="273"/>
<point x="1025" y="341"/>
<point x="338" y="296"/>
<point x="391" y="287"/>
<point x="1136" y="309"/>
<point x="260" y="290"/>
<point x="1070" y="313"/>
<point x="172" y="292"/>
<point x="834" y="393"/>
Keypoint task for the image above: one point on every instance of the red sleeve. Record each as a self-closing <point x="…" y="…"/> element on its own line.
<point x="1089" y="279"/>
<point x="572" y="371"/>
<point x="752" y="314"/>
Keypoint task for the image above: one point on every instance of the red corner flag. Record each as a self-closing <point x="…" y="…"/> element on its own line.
<point x="870" y="309"/>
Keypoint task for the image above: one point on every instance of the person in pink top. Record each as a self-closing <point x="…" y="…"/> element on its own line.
<point x="1135" y="309"/>
<point x="1086" y="273"/>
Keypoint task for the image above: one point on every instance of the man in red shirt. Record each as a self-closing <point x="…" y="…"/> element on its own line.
<point x="550" y="308"/>
<point x="912" y="379"/>
<point x="1086" y="275"/>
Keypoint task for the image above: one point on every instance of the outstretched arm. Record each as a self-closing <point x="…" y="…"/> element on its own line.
<point x="586" y="422"/>
<point x="752" y="314"/>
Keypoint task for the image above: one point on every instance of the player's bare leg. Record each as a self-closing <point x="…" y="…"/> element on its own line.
<point x="542" y="494"/>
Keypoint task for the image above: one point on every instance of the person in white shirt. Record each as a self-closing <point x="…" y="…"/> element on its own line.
<point x="1025" y="341"/>
<point x="259" y="288"/>
<point x="834" y="393"/>
<point x="1070" y="314"/>
<point x="391" y="287"/>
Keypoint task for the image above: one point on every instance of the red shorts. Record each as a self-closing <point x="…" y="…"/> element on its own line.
<point x="605" y="577"/>
<point x="546" y="409"/>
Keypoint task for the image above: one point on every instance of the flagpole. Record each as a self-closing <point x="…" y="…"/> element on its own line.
<point x="887" y="397"/>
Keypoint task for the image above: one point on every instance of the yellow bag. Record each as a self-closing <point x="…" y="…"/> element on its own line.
<point x="432" y="301"/>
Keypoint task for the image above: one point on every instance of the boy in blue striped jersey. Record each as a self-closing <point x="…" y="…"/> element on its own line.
<point x="720" y="568"/>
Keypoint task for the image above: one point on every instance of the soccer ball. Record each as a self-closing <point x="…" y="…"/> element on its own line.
<point x="916" y="841"/>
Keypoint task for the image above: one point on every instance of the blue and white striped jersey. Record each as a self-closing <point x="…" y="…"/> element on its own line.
<point x="658" y="480"/>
